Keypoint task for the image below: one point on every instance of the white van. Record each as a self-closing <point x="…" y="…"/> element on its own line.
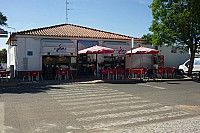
<point x="184" y="67"/>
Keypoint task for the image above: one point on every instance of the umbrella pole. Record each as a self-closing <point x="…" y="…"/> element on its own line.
<point x="140" y="60"/>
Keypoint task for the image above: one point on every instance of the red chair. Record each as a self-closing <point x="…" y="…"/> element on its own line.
<point x="34" y="74"/>
<point x="111" y="72"/>
<point x="161" y="72"/>
<point x="8" y="73"/>
<point x="62" y="73"/>
<point x="40" y="74"/>
<point x="3" y="75"/>
<point x="26" y="74"/>
<point x="136" y="73"/>
<point x="120" y="73"/>
<point x="171" y="72"/>
<point x="128" y="72"/>
<point x="104" y="72"/>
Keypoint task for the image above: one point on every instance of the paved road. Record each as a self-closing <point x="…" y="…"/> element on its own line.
<point x="101" y="107"/>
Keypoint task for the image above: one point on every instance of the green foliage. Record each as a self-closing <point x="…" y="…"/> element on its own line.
<point x="176" y="22"/>
<point x="3" y="59"/>
<point x="148" y="38"/>
<point x="3" y="19"/>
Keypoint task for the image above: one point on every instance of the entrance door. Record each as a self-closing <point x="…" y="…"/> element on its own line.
<point x="86" y="65"/>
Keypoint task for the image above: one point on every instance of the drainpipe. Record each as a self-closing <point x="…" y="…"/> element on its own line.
<point x="132" y="45"/>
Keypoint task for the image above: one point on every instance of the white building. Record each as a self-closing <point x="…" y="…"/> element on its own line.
<point x="34" y="49"/>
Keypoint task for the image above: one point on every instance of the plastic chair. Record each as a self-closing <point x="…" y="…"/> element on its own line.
<point x="104" y="72"/>
<point x="34" y="74"/>
<point x="161" y="72"/>
<point x="128" y="72"/>
<point x="171" y="72"/>
<point x="40" y="74"/>
<point x="3" y="75"/>
<point x="62" y="73"/>
<point x="112" y="72"/>
<point x="26" y="74"/>
<point x="120" y="73"/>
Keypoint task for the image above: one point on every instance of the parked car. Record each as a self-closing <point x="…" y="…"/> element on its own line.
<point x="185" y="66"/>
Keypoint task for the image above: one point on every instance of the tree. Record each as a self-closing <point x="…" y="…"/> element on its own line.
<point x="177" y="22"/>
<point x="3" y="58"/>
<point x="3" y="19"/>
<point x="148" y="38"/>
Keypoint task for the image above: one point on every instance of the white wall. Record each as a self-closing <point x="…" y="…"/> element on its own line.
<point x="23" y="46"/>
<point x="139" y="60"/>
<point x="173" y="59"/>
<point x="11" y="58"/>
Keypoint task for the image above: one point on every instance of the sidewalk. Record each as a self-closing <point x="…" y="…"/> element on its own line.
<point x="19" y="82"/>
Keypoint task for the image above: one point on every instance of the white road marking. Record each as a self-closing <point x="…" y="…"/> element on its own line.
<point x="125" y="114"/>
<point x="82" y="93"/>
<point x="89" y="95"/>
<point x="77" y="91"/>
<point x="133" y="120"/>
<point x="95" y="98"/>
<point x="116" y="108"/>
<point x="105" y="104"/>
<point x="157" y="87"/>
<point x="100" y="101"/>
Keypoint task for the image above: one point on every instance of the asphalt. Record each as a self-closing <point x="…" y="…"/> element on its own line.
<point x="20" y="82"/>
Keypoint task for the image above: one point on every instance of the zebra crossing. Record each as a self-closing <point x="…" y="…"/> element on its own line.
<point x="97" y="108"/>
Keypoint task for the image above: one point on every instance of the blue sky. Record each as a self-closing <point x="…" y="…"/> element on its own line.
<point x="127" y="17"/>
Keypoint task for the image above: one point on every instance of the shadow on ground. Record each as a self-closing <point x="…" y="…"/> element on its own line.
<point x="17" y="86"/>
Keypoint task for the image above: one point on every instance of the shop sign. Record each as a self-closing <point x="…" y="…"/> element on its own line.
<point x="121" y="51"/>
<point x="82" y="44"/>
<point x="60" y="48"/>
<point x="120" y="48"/>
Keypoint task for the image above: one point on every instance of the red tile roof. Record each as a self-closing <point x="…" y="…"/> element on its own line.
<point x="74" y="31"/>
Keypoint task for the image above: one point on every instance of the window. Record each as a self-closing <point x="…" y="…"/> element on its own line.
<point x="25" y="63"/>
<point x="29" y="53"/>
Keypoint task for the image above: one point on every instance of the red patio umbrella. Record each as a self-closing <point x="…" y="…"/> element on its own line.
<point x="142" y="50"/>
<point x="96" y="50"/>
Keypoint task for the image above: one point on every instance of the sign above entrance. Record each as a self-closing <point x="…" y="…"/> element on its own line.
<point x="58" y="47"/>
<point x="120" y="48"/>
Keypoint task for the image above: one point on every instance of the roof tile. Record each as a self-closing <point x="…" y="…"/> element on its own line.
<point x="74" y="31"/>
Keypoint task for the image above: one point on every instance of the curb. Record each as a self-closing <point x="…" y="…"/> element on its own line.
<point x="123" y="81"/>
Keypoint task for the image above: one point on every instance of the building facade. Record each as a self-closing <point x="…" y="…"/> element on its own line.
<point x="57" y="46"/>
